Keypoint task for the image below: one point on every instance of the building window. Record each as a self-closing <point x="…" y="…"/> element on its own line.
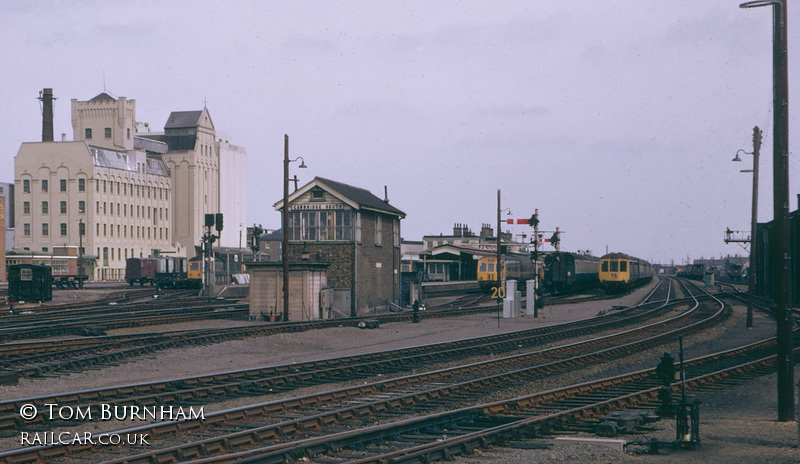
<point x="63" y="229"/>
<point x="321" y="225"/>
<point x="63" y="207"/>
<point x="81" y="206"/>
<point x="317" y="194"/>
<point x="45" y="229"/>
<point x="62" y="185"/>
<point x="26" y="186"/>
<point x="88" y="133"/>
<point x="81" y="185"/>
<point x="45" y="207"/>
<point x="310" y="225"/>
<point x="378" y="230"/>
<point x="44" y="185"/>
<point x="26" y="207"/>
<point x="326" y="225"/>
<point x="344" y="225"/>
<point x="129" y="133"/>
<point x="108" y="132"/>
<point x="26" y="230"/>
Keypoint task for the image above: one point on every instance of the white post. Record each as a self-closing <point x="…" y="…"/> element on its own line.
<point x="530" y="305"/>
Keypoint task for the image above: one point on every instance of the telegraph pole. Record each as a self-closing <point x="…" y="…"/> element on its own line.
<point x="780" y="236"/>
<point x="780" y="253"/>
<point x="751" y="277"/>
<point x="285" y="225"/>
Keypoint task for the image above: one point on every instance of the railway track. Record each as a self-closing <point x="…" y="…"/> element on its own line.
<point x="423" y="395"/>
<point x="445" y="435"/>
<point x="277" y="378"/>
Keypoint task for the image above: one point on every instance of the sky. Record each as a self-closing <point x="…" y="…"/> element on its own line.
<point x="617" y="120"/>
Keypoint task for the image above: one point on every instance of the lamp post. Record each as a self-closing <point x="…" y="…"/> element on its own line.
<point x="751" y="277"/>
<point x="780" y="238"/>
<point x="285" y="223"/>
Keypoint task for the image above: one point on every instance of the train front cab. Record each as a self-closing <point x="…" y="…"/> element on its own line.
<point x="615" y="274"/>
<point x="487" y="272"/>
<point x="194" y="273"/>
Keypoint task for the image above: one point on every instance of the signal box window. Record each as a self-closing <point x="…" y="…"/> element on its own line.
<point x="317" y="194"/>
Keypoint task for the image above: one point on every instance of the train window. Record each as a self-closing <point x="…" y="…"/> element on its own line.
<point x="483" y="267"/>
<point x="25" y="274"/>
<point x="623" y="266"/>
<point x="614" y="266"/>
<point x="491" y="267"/>
<point x="604" y="266"/>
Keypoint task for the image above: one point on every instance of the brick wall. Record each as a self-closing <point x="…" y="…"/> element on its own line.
<point x="377" y="282"/>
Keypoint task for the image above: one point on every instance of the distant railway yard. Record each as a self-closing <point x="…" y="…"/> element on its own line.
<point x="144" y="376"/>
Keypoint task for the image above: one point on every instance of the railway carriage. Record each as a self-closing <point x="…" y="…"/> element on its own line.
<point x="518" y="266"/>
<point x="620" y="272"/>
<point x="692" y="271"/>
<point x="165" y="271"/>
<point x="30" y="282"/>
<point x="570" y="272"/>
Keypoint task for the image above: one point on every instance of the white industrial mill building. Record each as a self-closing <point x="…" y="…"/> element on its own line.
<point x="137" y="193"/>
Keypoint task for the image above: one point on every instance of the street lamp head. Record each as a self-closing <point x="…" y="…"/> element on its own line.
<point x="758" y="3"/>
<point x="737" y="159"/>
<point x="302" y="162"/>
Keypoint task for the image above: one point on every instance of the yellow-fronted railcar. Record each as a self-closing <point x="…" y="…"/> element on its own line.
<point x="518" y="266"/>
<point x="195" y="272"/>
<point x="620" y="272"/>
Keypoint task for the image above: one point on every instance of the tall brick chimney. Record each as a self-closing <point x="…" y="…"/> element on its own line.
<point x="46" y="96"/>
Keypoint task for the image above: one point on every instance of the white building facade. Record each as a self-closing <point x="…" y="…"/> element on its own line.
<point x="135" y="194"/>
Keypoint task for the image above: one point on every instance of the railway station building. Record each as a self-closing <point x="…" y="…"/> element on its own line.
<point x="119" y="190"/>
<point x="355" y="234"/>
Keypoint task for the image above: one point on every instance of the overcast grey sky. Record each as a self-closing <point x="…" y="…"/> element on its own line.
<point x="616" y="119"/>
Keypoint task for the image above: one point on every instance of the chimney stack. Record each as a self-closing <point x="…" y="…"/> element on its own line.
<point x="46" y="97"/>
